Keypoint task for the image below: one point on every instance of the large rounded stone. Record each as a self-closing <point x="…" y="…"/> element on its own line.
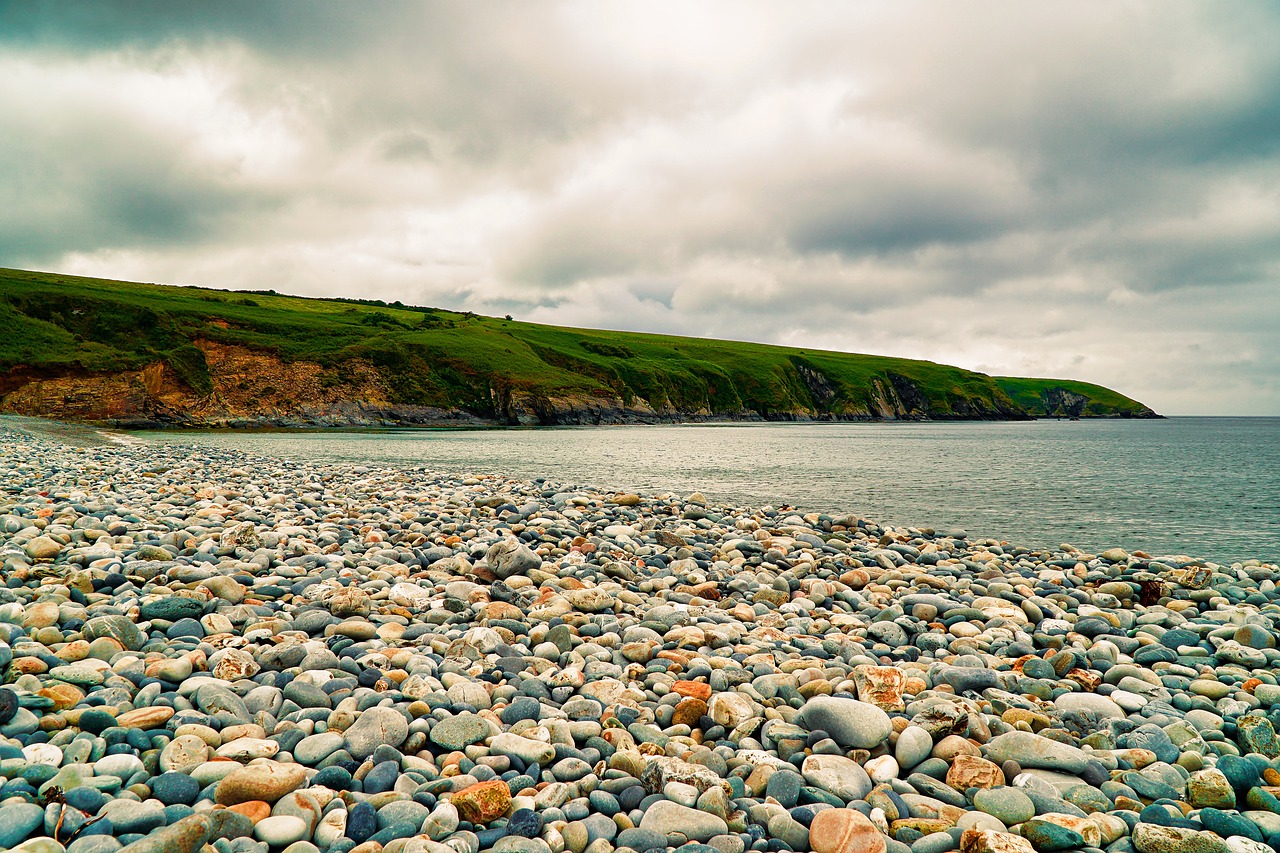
<point x="844" y="831"/>
<point x="842" y="776"/>
<point x="266" y="780"/>
<point x="849" y="722"/>
<point x="43" y="548"/>
<point x="375" y="727"/>
<point x="665" y="817"/>
<point x="1031" y="750"/>
<point x="511" y="557"/>
<point x="483" y="802"/>
<point x="187" y="835"/>
<point x="118" y="628"/>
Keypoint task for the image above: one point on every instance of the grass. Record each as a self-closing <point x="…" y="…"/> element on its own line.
<point x="1036" y="396"/>
<point x="59" y="323"/>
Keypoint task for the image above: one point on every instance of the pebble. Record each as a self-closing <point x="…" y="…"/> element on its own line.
<point x="205" y="647"/>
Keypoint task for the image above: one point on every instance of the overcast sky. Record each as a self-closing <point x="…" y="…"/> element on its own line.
<point x="1083" y="190"/>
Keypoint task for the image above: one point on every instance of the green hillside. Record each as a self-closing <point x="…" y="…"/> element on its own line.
<point x="59" y="325"/>
<point x="1068" y="398"/>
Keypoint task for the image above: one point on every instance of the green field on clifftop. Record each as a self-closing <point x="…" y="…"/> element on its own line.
<point x="60" y="324"/>
<point x="1044" y="398"/>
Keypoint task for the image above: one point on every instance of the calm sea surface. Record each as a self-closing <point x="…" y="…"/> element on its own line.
<point x="1208" y="487"/>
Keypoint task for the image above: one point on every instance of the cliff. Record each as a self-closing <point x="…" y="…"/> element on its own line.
<point x="129" y="354"/>
<point x="1065" y="398"/>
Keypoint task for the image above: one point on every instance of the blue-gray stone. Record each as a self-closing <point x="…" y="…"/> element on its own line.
<point x="17" y="821"/>
<point x="525" y="823"/>
<point x="173" y="788"/>
<point x="382" y="777"/>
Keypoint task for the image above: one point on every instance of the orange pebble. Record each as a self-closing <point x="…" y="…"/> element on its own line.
<point x="694" y="689"/>
<point x="255" y="810"/>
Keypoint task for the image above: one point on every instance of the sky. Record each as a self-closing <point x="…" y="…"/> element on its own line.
<point x="1087" y="190"/>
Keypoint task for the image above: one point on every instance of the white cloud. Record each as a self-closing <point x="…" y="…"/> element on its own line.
<point x="1090" y="191"/>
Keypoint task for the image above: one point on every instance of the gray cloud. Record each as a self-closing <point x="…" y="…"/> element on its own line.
<point x="1090" y="191"/>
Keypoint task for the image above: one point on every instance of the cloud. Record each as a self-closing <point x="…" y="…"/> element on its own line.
<point x="1090" y="191"/>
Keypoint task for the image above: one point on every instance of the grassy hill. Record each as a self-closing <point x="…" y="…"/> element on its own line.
<point x="96" y="349"/>
<point x="1068" y="398"/>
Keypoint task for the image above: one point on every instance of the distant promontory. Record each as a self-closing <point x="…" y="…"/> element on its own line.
<point x="144" y="355"/>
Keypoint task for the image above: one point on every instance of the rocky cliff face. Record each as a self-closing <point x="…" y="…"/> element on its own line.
<point x="1061" y="402"/>
<point x="247" y="387"/>
<point x="250" y="388"/>
<point x="1065" y="403"/>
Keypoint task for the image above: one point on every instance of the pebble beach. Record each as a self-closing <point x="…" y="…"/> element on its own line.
<point x="209" y="650"/>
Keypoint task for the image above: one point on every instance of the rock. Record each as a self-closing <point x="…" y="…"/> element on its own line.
<point x="171" y="788"/>
<point x="172" y="608"/>
<point x="349" y="601"/>
<point x="375" y="727"/>
<point x="1150" y="838"/>
<point x="234" y="665"/>
<point x="187" y="835"/>
<point x="849" y="722"/>
<point x="454" y="733"/>
<point x="511" y="557"/>
<point x="664" y="817"/>
<point x="118" y="628"/>
<point x="1009" y="805"/>
<point x="880" y="686"/>
<point x="844" y="831"/>
<point x="145" y="718"/>
<point x="483" y="802"/>
<point x="1105" y="708"/>
<point x="526" y="749"/>
<point x="913" y="746"/>
<point x="443" y="822"/>
<point x="1210" y="788"/>
<point x="660" y="771"/>
<point x="1031" y="750"/>
<point x="730" y="709"/>
<point x="43" y="548"/>
<point x="316" y="748"/>
<point x="332" y="826"/>
<point x="17" y="821"/>
<point x="266" y="780"/>
<point x="8" y="705"/>
<point x="320" y="648"/>
<point x="280" y="830"/>
<point x="591" y="600"/>
<point x="987" y="841"/>
<point x="969" y="771"/>
<point x="842" y="776"/>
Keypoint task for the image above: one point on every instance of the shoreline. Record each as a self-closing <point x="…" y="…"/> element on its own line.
<point x="465" y="421"/>
<point x="340" y="657"/>
<point x="1011" y="533"/>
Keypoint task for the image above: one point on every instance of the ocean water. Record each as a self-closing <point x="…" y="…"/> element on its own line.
<point x="1205" y="487"/>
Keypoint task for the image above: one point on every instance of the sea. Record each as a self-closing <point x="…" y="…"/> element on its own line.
<point x="1205" y="487"/>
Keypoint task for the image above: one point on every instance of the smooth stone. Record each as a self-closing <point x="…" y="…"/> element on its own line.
<point x="842" y="776"/>
<point x="1105" y="708"/>
<point x="844" y="831"/>
<point x="17" y="821"/>
<point x="280" y="830"/>
<point x="267" y="781"/>
<point x="849" y="722"/>
<point x="458" y="732"/>
<point x="187" y="835"/>
<point x="914" y="746"/>
<point x="373" y="728"/>
<point x="1031" y="750"/>
<point x="1009" y="805"/>
<point x="666" y="817"/>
